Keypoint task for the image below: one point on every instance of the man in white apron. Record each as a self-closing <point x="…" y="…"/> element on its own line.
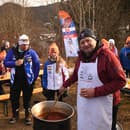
<point x="92" y="111"/>
<point x="99" y="75"/>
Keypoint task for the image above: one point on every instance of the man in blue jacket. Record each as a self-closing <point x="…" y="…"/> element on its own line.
<point x="25" y="65"/>
<point x="125" y="57"/>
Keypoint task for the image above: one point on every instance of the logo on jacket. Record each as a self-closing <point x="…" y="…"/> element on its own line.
<point x="90" y="77"/>
<point x="28" y="58"/>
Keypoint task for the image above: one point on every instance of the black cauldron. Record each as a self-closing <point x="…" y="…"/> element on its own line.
<point x="46" y="116"/>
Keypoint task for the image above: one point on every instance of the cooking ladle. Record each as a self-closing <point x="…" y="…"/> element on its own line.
<point x="53" y="105"/>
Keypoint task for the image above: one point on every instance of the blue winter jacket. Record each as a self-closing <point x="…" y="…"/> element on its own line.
<point x="52" y="79"/>
<point x="125" y="58"/>
<point x="31" y="64"/>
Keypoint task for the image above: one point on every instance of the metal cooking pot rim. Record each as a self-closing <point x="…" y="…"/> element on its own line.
<point x="52" y="101"/>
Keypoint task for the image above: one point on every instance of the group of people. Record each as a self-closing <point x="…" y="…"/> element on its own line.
<point x="98" y="71"/>
<point x="123" y="55"/>
<point x="25" y="65"/>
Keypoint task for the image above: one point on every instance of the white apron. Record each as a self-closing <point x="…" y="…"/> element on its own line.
<point x="92" y="113"/>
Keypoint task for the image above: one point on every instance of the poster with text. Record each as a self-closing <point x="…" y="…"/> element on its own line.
<point x="69" y="34"/>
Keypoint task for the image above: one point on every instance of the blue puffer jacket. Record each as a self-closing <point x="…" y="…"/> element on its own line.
<point x="31" y="64"/>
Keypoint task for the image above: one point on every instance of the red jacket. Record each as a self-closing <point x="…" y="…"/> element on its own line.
<point x="110" y="73"/>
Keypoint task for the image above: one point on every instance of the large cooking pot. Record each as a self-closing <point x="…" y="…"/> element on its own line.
<point x="50" y="116"/>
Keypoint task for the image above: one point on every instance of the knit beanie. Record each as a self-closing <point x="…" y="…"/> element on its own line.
<point x="112" y="41"/>
<point x="86" y="33"/>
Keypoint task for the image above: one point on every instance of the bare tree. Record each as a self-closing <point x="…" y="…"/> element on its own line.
<point x="9" y="19"/>
<point x="100" y="15"/>
<point x="107" y="17"/>
<point x="15" y="19"/>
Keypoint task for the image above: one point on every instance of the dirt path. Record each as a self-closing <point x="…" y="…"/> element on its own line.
<point x="4" y="125"/>
<point x="123" y="114"/>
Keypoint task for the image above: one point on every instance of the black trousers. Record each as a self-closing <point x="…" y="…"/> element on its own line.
<point x="15" y="91"/>
<point x="114" y="116"/>
<point x="127" y="72"/>
<point x="50" y="94"/>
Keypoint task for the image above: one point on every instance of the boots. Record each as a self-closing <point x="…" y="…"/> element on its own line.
<point x="28" y="117"/>
<point x="15" y="116"/>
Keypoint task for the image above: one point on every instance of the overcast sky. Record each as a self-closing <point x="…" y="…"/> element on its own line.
<point x="31" y="2"/>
